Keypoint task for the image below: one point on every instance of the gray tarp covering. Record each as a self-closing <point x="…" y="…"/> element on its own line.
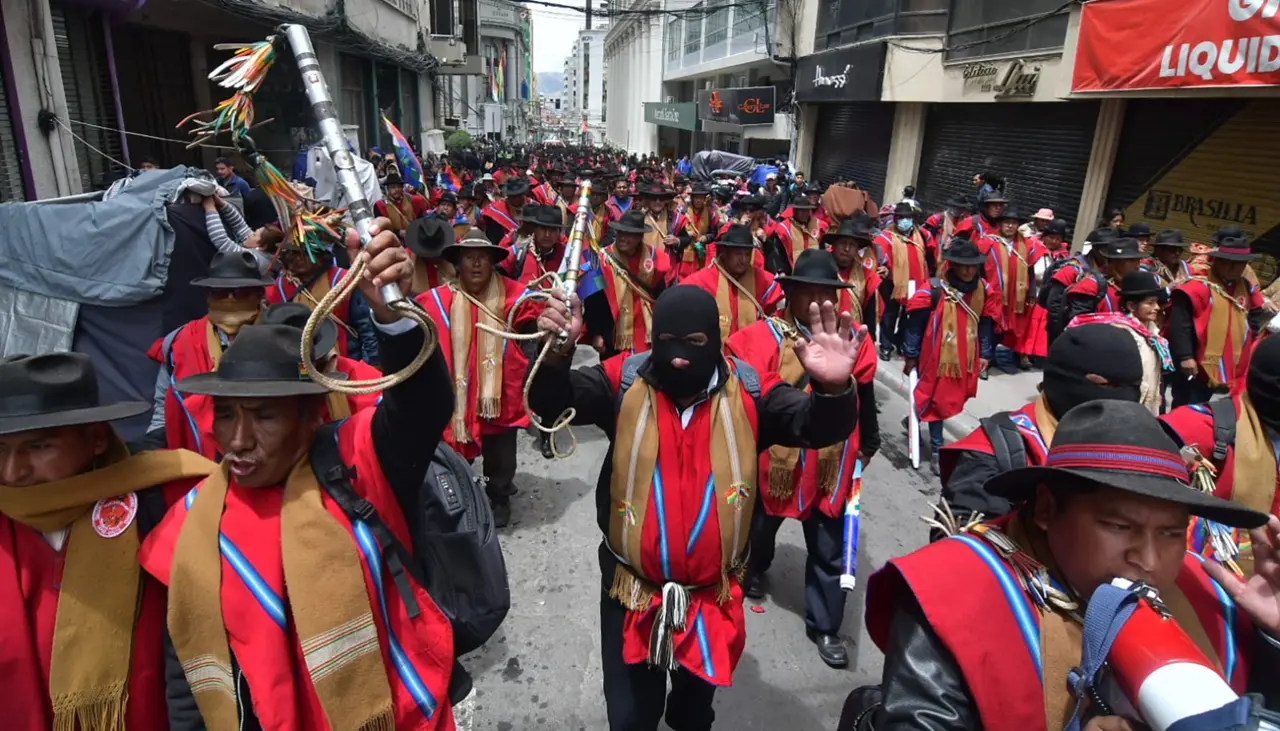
<point x="708" y="161"/>
<point x="112" y="253"/>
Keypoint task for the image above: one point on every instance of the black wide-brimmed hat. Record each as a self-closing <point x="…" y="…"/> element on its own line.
<point x="813" y="189"/>
<point x="1231" y="243"/>
<point x="1120" y="445"/>
<point x="1010" y="212"/>
<point x="814" y="266"/>
<point x="468" y="191"/>
<point x="963" y="202"/>
<point x="428" y="237"/>
<point x="515" y="186"/>
<point x="750" y="201"/>
<point x="296" y="314"/>
<point x="264" y="361"/>
<point x="1121" y="248"/>
<point x="857" y="226"/>
<point x="448" y="197"/>
<point x="1056" y="226"/>
<point x="904" y="209"/>
<point x="738" y="236"/>
<point x="558" y="168"/>
<point x="655" y="190"/>
<point x="700" y="188"/>
<point x="632" y="222"/>
<point x="55" y="390"/>
<point x="802" y="204"/>
<point x="474" y="238"/>
<point x="1138" y="229"/>
<point x="1140" y="285"/>
<point x="993" y="197"/>
<point x="393" y="178"/>
<point x="233" y="270"/>
<point x="964" y="252"/>
<point x="1171" y="237"/>
<point x="546" y="216"/>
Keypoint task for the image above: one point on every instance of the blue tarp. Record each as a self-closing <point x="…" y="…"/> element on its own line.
<point x="758" y="175"/>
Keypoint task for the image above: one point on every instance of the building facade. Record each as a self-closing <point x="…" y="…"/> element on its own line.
<point x="1053" y="99"/>
<point x="633" y="52"/>
<point x="492" y="94"/>
<point x="90" y="87"/>
<point x="586" y="87"/>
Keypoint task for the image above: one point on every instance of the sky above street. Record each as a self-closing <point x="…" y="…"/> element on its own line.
<point x="554" y="30"/>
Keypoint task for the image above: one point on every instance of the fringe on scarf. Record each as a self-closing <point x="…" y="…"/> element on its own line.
<point x="781" y="484"/>
<point x="97" y="709"/>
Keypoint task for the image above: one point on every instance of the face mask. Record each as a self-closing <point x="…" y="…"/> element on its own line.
<point x="905" y="225"/>
<point x="680" y="312"/>
<point x="229" y="314"/>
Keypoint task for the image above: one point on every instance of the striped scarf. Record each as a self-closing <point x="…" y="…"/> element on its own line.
<point x="1227" y="328"/>
<point x="949" y="365"/>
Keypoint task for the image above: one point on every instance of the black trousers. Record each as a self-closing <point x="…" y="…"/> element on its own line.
<point x="1189" y="390"/>
<point x="892" y="324"/>
<point x="636" y="695"/>
<point x="824" y="547"/>
<point x="499" y="452"/>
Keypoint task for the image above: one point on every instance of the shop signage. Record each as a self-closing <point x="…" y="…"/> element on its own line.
<point x="1140" y="44"/>
<point x="681" y="115"/>
<point x="743" y="105"/>
<point x="851" y="74"/>
<point x="1017" y="80"/>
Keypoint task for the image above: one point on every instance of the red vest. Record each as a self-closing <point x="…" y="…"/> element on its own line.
<point x="515" y="365"/>
<point x="760" y="346"/>
<point x="767" y="293"/>
<point x="659" y="266"/>
<point x="285" y="291"/>
<point x="267" y="651"/>
<point x="960" y="578"/>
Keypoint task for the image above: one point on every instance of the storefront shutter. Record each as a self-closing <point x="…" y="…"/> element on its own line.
<point x="11" y="187"/>
<point x="86" y="82"/>
<point x="852" y="143"/>
<point x="1041" y="150"/>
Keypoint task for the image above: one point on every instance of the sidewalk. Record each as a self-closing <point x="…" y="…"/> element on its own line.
<point x="1001" y="392"/>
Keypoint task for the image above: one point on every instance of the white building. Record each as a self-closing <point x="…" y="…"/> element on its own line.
<point x="633" y="52"/>
<point x="586" y="88"/>
<point x="491" y="94"/>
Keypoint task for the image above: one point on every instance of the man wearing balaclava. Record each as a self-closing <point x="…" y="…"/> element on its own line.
<point x="1245" y="467"/>
<point x="675" y="507"/>
<point x="1088" y="362"/>
<point x="234" y="290"/>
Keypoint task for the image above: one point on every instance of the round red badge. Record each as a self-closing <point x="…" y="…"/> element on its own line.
<point x="113" y="517"/>
<point x="647" y="266"/>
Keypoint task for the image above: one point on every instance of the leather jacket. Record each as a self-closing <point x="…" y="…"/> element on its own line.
<point x="923" y="688"/>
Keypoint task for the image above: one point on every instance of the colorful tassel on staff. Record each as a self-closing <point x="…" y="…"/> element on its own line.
<point x="247" y="68"/>
<point x="852" y="517"/>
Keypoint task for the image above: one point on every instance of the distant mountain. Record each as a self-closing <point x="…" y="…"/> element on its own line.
<point x="550" y="82"/>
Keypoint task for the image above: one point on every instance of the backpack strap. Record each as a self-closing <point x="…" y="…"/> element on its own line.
<point x="335" y="478"/>
<point x="1006" y="441"/>
<point x="1224" y="427"/>
<point x="747" y="375"/>
<point x="166" y="349"/>
<point x="935" y="293"/>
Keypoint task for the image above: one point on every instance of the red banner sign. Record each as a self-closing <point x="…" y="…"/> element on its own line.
<point x="1156" y="44"/>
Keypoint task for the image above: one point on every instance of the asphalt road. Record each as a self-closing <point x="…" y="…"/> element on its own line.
<point x="542" y="670"/>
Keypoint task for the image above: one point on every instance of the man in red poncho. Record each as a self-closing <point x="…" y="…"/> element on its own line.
<point x="804" y="231"/>
<point x="986" y="220"/>
<point x="74" y="507"/>
<point x="695" y="227"/>
<point x="399" y="208"/>
<point x="686" y="426"/>
<point x="426" y="239"/>
<point x="234" y="289"/>
<point x="942" y="225"/>
<point x="620" y="317"/>
<point x="950" y="337"/>
<point x="544" y="253"/>
<point x="283" y="610"/>
<point x="488" y="372"/>
<point x="910" y="257"/>
<point x="809" y="485"/>
<point x="308" y="276"/>
<point x="502" y="217"/>
<point x="744" y="291"/>
<point x="858" y="265"/>
<point x="1212" y="319"/>
<point x="1015" y="264"/>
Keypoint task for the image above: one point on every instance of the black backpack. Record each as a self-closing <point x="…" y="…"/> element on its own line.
<point x="1006" y="441"/>
<point x="1042" y="297"/>
<point x="1224" y="429"/>
<point x="456" y="557"/>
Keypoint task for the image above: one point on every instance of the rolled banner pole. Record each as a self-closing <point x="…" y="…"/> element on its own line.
<point x="577" y="238"/>
<point x="852" y="517"/>
<point x="335" y="143"/>
<point x="913" y="419"/>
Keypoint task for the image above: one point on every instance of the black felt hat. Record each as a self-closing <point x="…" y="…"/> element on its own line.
<point x="655" y="190"/>
<point x="475" y="239"/>
<point x="632" y="222"/>
<point x="802" y="204"/>
<point x="264" y="361"/>
<point x="428" y="237"/>
<point x="296" y="314"/>
<point x="546" y="216"/>
<point x="55" y="390"/>
<point x="515" y="186"/>
<point x="857" y="226"/>
<point x="448" y="197"/>
<point x="993" y="197"/>
<point x="1171" y="237"/>
<point x="467" y="191"/>
<point x="1056" y="226"/>
<point x="1140" y="285"/>
<point x="964" y="252"/>
<point x="963" y="202"/>
<point x="233" y="270"/>
<point x="738" y="236"/>
<point x="1231" y="243"/>
<point x="1009" y="212"/>
<point x="750" y="202"/>
<point x="814" y="266"/>
<point x="700" y="188"/>
<point x="1121" y="248"/>
<point x="904" y="209"/>
<point x="393" y="178"/>
<point x="1120" y="445"/>
<point x="1138" y="229"/>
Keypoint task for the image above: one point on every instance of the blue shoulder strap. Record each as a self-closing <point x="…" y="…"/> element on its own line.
<point x="747" y="376"/>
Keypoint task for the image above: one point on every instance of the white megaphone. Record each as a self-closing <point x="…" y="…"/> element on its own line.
<point x="1163" y="674"/>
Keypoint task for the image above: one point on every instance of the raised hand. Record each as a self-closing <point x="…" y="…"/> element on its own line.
<point x="386" y="261"/>
<point x="1259" y="596"/>
<point x="562" y="316"/>
<point x="829" y="353"/>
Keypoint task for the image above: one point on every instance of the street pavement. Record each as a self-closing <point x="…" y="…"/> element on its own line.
<point x="542" y="669"/>
<point x="1001" y="392"/>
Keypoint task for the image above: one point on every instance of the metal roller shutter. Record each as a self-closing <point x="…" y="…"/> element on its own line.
<point x="852" y="143"/>
<point x="86" y="82"/>
<point x="1041" y="151"/>
<point x="11" y="187"/>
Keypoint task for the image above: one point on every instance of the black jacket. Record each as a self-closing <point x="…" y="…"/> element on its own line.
<point x="408" y="423"/>
<point x="786" y="415"/>
<point x="923" y="688"/>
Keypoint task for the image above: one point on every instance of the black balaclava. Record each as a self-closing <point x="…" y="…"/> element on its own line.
<point x="681" y="311"/>
<point x="1105" y="350"/>
<point x="1263" y="381"/>
<point x="959" y="284"/>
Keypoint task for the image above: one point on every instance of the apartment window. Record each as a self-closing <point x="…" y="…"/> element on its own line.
<point x="586" y="73"/>
<point x="693" y="30"/>
<point x="841" y="22"/>
<point x="352" y="103"/>
<point x="673" y="39"/>
<point x="717" y="22"/>
<point x="982" y="28"/>
<point x="750" y="17"/>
